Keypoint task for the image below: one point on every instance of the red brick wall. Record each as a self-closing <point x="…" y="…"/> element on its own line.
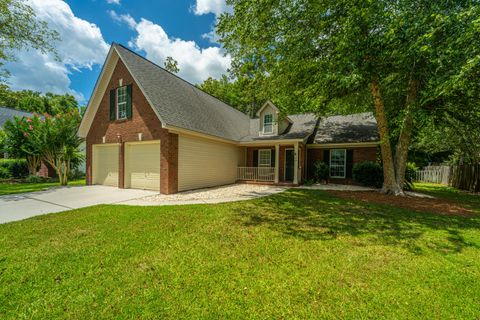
<point x="144" y="120"/>
<point x="360" y="154"/>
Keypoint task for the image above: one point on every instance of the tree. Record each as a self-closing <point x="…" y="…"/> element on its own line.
<point x="36" y="102"/>
<point x="57" y="142"/>
<point x="20" y="28"/>
<point x="18" y="141"/>
<point x="387" y="56"/>
<point x="171" y="65"/>
<point x="244" y="94"/>
<point x="52" y="139"/>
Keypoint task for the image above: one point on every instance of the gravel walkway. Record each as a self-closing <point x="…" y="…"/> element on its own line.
<point x="229" y="193"/>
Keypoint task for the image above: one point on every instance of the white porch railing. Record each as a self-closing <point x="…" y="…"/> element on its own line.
<point x="256" y="173"/>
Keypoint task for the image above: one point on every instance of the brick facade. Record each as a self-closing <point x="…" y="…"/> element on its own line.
<point x="360" y="154"/>
<point x="144" y="121"/>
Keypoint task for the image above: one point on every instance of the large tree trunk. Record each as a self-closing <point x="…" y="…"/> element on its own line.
<point x="390" y="185"/>
<point x="33" y="163"/>
<point x="401" y="152"/>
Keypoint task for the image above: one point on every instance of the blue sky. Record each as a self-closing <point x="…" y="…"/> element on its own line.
<point x="183" y="29"/>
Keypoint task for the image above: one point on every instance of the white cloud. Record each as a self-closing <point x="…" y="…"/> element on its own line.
<point x="81" y="46"/>
<point x="217" y="7"/>
<point x="196" y="64"/>
<point x="114" y="1"/>
<point x="123" y="18"/>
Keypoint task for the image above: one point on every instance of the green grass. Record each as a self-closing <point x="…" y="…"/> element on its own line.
<point x="22" y="187"/>
<point x="468" y="200"/>
<point x="298" y="254"/>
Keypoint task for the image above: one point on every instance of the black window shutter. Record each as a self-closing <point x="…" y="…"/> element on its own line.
<point x="272" y="157"/>
<point x="255" y="158"/>
<point x="129" y="101"/>
<point x="326" y="156"/>
<point x="113" y="109"/>
<point x="349" y="163"/>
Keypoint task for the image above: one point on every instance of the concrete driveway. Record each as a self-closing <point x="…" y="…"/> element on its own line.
<point x="21" y="206"/>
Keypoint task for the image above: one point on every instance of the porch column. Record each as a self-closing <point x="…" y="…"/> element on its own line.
<point x="277" y="160"/>
<point x="295" y="164"/>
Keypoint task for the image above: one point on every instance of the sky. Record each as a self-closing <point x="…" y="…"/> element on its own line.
<point x="156" y="29"/>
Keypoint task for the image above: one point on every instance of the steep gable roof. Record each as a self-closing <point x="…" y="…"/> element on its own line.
<point x="9" y="113"/>
<point x="181" y="104"/>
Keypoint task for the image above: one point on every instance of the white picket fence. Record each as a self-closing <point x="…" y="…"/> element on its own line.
<point x="434" y="174"/>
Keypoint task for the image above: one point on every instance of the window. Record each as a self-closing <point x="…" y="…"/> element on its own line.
<point x="268" y="123"/>
<point x="264" y="158"/>
<point x="337" y="163"/>
<point x="122" y="103"/>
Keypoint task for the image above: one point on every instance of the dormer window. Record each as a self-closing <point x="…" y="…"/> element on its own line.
<point x="268" y="123"/>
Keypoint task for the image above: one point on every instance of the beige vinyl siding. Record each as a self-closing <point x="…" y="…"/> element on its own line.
<point x="105" y="164"/>
<point x="142" y="165"/>
<point x="204" y="163"/>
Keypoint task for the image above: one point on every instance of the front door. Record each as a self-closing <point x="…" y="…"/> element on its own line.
<point x="289" y="164"/>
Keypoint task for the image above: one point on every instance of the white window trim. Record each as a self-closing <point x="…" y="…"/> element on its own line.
<point x="271" y="123"/>
<point x="344" y="163"/>
<point x="269" y="157"/>
<point x="123" y="103"/>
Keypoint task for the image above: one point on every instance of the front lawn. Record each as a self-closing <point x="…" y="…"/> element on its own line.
<point x="22" y="187"/>
<point x="298" y="254"/>
<point x="469" y="200"/>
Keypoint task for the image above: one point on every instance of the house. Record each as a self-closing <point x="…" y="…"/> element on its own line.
<point x="147" y="128"/>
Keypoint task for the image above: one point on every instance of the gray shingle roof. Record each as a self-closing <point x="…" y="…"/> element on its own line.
<point x="302" y="127"/>
<point x="8" y="113"/>
<point x="181" y="104"/>
<point x="359" y="127"/>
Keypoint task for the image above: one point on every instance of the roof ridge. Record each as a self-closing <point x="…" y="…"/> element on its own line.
<point x="178" y="77"/>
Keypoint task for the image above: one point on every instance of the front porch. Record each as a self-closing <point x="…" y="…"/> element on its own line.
<point x="280" y="164"/>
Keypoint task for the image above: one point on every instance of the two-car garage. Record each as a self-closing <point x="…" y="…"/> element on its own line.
<point x="141" y="165"/>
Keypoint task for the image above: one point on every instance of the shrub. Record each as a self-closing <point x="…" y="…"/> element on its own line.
<point x="4" y="173"/>
<point x="17" y="168"/>
<point x="410" y="175"/>
<point x="368" y="173"/>
<point x="34" y="179"/>
<point x="321" y="171"/>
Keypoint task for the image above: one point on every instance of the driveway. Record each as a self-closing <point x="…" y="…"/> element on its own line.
<point x="21" y="206"/>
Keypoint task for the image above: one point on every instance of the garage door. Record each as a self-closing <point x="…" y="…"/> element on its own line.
<point x="142" y="165"/>
<point x="105" y="164"/>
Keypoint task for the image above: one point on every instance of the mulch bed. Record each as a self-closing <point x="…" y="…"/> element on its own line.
<point x="438" y="206"/>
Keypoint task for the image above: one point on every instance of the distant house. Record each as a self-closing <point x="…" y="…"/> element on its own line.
<point x="9" y="114"/>
<point x="147" y="128"/>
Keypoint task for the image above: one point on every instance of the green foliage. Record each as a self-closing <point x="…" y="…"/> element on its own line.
<point x="34" y="179"/>
<point x="36" y="102"/>
<point x="19" y="142"/>
<point x="368" y="173"/>
<point x="410" y="175"/>
<point x="56" y="140"/>
<point x="171" y="65"/>
<point x="321" y="171"/>
<point x="20" y="29"/>
<point x="16" y="168"/>
<point x="4" y="173"/>
<point x="244" y="94"/>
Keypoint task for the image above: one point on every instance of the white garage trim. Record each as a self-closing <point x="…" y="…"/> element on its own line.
<point x="105" y="164"/>
<point x="142" y="165"/>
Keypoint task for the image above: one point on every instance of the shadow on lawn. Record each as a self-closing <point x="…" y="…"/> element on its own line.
<point x="315" y="215"/>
